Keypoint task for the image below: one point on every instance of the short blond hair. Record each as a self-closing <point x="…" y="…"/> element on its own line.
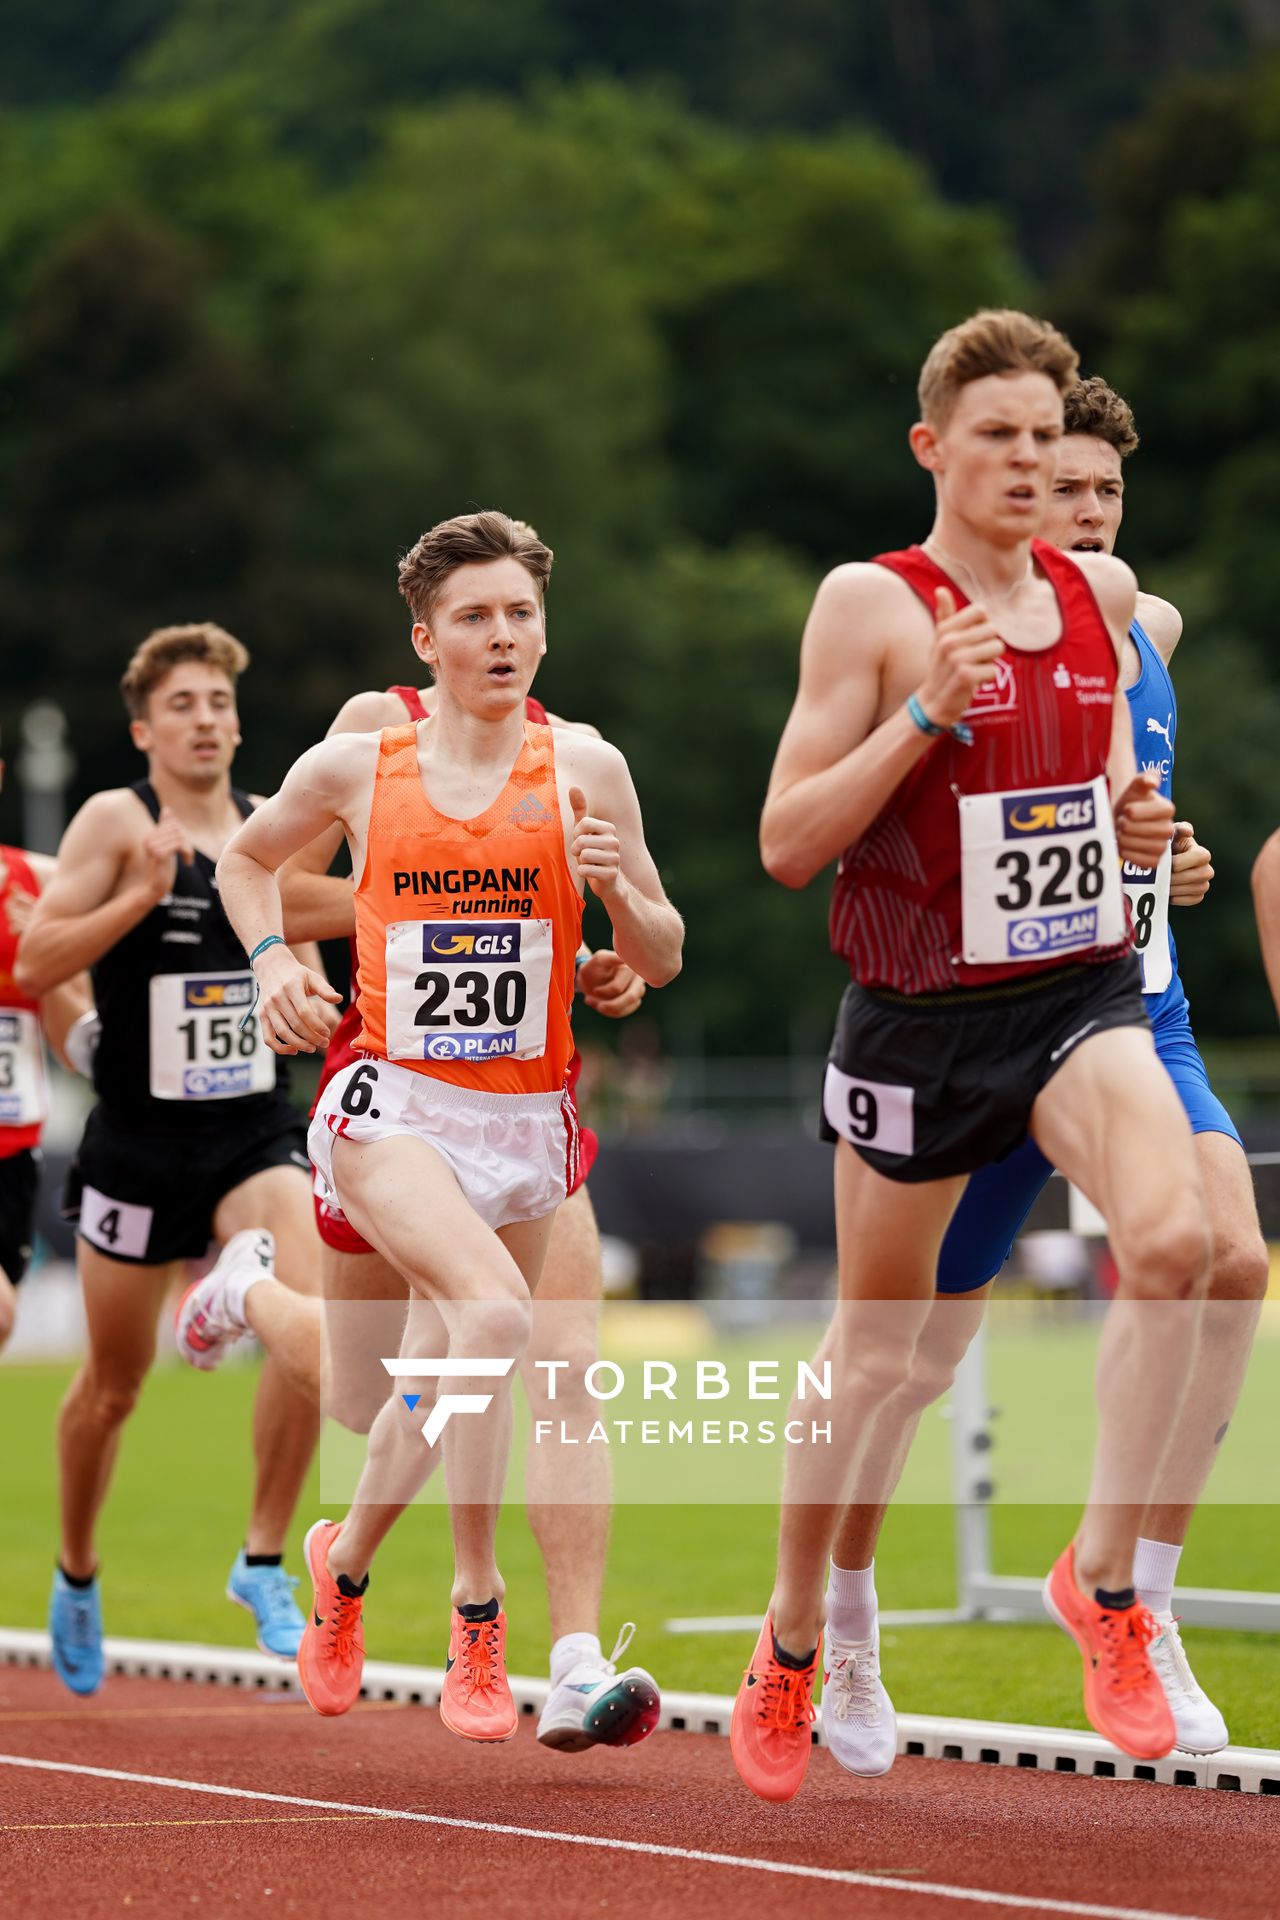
<point x="1092" y="407"/>
<point x="470" y="539"/>
<point x="167" y="648"/>
<point x="997" y="340"/>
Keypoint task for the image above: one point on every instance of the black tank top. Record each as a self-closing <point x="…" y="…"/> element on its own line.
<point x="171" y="995"/>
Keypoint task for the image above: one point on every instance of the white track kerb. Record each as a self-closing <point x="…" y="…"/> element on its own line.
<point x="995" y="1743"/>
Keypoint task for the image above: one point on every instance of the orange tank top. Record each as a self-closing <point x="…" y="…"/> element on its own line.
<point x="467" y="930"/>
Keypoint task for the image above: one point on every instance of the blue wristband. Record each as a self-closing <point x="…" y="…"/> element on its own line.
<point x="959" y="732"/>
<point x="272" y="940"/>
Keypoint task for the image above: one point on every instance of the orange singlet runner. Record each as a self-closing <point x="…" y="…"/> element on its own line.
<point x="466" y="936"/>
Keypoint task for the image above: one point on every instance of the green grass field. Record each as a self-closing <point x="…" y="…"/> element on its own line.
<point x="175" y="1517"/>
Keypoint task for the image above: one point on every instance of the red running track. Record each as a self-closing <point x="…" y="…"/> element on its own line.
<point x="934" y="1838"/>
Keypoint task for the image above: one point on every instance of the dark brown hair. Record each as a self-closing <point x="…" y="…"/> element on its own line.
<point x="470" y="539"/>
<point x="1092" y="407"/>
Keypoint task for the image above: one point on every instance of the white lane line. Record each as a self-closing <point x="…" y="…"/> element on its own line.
<point x="977" y="1896"/>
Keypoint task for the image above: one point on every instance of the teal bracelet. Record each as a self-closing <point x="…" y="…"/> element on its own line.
<point x="272" y="940"/>
<point x="959" y="732"/>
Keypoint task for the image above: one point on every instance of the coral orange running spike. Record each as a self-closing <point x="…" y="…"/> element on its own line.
<point x="1123" y="1697"/>
<point x="770" y="1735"/>
<point x="331" y="1654"/>
<point x="476" y="1700"/>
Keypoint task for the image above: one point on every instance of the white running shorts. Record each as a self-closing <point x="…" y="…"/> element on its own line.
<point x="513" y="1154"/>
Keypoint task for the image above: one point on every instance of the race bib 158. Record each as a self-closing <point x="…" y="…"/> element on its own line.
<point x="197" y="1049"/>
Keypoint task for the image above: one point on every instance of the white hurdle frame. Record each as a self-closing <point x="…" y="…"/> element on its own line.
<point x="985" y="1595"/>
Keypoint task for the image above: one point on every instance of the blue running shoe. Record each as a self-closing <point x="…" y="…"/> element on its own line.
<point x="267" y="1593"/>
<point x="75" y="1629"/>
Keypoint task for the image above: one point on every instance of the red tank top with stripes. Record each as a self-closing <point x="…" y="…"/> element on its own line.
<point x="1045" y="720"/>
<point x="23" y="1090"/>
<point x="341" y="1049"/>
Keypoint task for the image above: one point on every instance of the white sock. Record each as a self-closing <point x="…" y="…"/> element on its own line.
<point x="1155" y="1568"/>
<point x="851" y="1602"/>
<point x="571" y="1650"/>
<point x="236" y="1286"/>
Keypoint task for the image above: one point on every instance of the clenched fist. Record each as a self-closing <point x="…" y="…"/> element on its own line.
<point x="167" y="842"/>
<point x="1144" y="821"/>
<point x="966" y="648"/>
<point x="594" y="847"/>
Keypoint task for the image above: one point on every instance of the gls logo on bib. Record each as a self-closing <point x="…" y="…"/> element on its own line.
<point x="1048" y="813"/>
<point x="449" y="941"/>
<point x="234" y="991"/>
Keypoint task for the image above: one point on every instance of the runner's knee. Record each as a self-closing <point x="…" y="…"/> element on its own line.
<point x="354" y="1398"/>
<point x="110" y="1397"/>
<point x="555" y="1373"/>
<point x="493" y="1328"/>
<point x="1168" y="1258"/>
<point x="1241" y="1268"/>
<point x="932" y="1373"/>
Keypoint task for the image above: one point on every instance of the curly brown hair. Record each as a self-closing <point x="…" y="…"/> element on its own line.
<point x="167" y="648"/>
<point x="1092" y="407"/>
<point x="997" y="340"/>
<point x="470" y="539"/>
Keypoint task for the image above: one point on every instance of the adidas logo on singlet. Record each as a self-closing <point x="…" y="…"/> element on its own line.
<point x="529" y="812"/>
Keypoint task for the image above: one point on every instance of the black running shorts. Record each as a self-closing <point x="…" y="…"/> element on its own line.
<point x="19" y="1184"/>
<point x="926" y="1086"/>
<point x="147" y="1197"/>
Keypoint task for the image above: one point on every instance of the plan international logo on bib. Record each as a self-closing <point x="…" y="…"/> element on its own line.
<point x="469" y="1046"/>
<point x="1053" y="933"/>
<point x="1066" y="812"/>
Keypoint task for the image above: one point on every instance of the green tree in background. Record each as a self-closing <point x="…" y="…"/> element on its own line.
<point x="997" y="108"/>
<point x="157" y="488"/>
<point x="312" y="274"/>
<point x="1177" y="298"/>
<point x="794" y="375"/>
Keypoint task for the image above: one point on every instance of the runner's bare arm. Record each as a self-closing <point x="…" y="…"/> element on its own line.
<point x="319" y="905"/>
<point x="1161" y="622"/>
<point x="1144" y="820"/>
<point x="562" y="725"/>
<point x="113" y="866"/>
<point x="1143" y="817"/>
<point x="61" y="1008"/>
<point x="1266" y="902"/>
<point x="1192" y="867"/>
<point x="835" y="766"/>
<point x="327" y="785"/>
<point x="605" y="836"/>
